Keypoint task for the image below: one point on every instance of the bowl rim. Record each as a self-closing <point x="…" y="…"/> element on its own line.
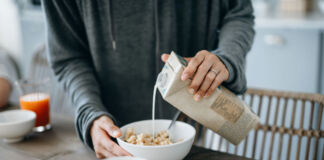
<point x="160" y="146"/>
<point x="33" y="117"/>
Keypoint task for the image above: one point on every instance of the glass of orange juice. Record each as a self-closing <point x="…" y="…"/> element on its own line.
<point x="34" y="96"/>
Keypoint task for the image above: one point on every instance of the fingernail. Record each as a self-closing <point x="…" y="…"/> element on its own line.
<point x="206" y="95"/>
<point x="184" y="77"/>
<point x="116" y="133"/>
<point x="191" y="91"/>
<point x="197" y="97"/>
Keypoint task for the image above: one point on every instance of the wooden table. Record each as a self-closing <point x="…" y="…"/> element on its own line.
<point x="62" y="143"/>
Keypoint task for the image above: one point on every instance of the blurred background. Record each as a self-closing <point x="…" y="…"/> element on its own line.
<point x="287" y="53"/>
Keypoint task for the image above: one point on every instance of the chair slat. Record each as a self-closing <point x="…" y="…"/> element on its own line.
<point x="203" y="136"/>
<point x="247" y="138"/>
<point x="274" y="126"/>
<point x="236" y="149"/>
<point x="282" y="126"/>
<point x="220" y="144"/>
<point x="301" y="124"/>
<point x="196" y="124"/>
<point x="317" y="137"/>
<point x="310" y="128"/>
<point x="256" y="131"/>
<point x="227" y="146"/>
<point x="265" y="131"/>
<point x="211" y="140"/>
<point x="292" y="120"/>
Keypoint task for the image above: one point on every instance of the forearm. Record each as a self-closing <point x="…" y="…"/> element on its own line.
<point x="236" y="38"/>
<point x="78" y="79"/>
<point x="83" y="88"/>
<point x="71" y="61"/>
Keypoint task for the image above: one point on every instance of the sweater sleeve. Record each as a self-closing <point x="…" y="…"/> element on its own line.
<point x="8" y="69"/>
<point x="71" y="61"/>
<point x="236" y="38"/>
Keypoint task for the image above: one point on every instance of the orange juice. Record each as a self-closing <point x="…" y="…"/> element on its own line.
<point x="39" y="103"/>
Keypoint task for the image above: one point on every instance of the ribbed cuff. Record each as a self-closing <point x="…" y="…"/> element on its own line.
<point x="227" y="64"/>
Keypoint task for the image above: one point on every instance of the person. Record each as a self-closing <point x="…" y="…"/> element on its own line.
<point x="8" y="74"/>
<point x="107" y="55"/>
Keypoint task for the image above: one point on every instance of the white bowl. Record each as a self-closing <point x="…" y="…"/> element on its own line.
<point x="14" y="124"/>
<point x="176" y="151"/>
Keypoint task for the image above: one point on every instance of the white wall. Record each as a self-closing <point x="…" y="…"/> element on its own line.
<point x="10" y="33"/>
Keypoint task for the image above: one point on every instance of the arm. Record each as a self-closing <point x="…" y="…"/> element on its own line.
<point x="236" y="38"/>
<point x="70" y="59"/>
<point x="226" y="64"/>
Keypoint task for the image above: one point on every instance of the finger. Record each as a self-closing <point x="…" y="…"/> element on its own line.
<point x="192" y="66"/>
<point x="210" y="77"/>
<point x="110" y="128"/>
<point x="218" y="80"/>
<point x="187" y="59"/>
<point x="100" y="156"/>
<point x="107" y="147"/>
<point x="165" y="57"/>
<point x="120" y="151"/>
<point x="102" y="152"/>
<point x="199" y="77"/>
<point x="114" y="148"/>
<point x="107" y="154"/>
<point x="101" y="149"/>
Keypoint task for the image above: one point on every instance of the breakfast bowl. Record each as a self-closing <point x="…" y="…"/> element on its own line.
<point x="182" y="134"/>
<point x="15" y="124"/>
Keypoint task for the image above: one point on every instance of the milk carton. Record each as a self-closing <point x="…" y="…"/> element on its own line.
<point x="222" y="112"/>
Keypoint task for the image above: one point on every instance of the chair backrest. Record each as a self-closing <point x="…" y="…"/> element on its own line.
<point x="291" y="127"/>
<point x="39" y="68"/>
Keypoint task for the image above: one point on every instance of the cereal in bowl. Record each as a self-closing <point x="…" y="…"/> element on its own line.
<point x="161" y="138"/>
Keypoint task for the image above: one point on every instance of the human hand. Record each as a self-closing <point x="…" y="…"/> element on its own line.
<point x="207" y="72"/>
<point x="101" y="130"/>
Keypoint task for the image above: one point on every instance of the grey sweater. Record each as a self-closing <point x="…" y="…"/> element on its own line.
<point x="106" y="53"/>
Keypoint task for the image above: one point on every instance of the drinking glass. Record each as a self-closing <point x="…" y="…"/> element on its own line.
<point x="34" y="96"/>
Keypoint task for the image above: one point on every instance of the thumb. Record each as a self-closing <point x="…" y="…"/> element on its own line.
<point x="114" y="131"/>
<point x="165" y="57"/>
<point x="111" y="129"/>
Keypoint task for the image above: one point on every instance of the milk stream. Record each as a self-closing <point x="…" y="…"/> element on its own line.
<point x="153" y="110"/>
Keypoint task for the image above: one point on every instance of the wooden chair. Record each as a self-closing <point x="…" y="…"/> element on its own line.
<point x="291" y="127"/>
